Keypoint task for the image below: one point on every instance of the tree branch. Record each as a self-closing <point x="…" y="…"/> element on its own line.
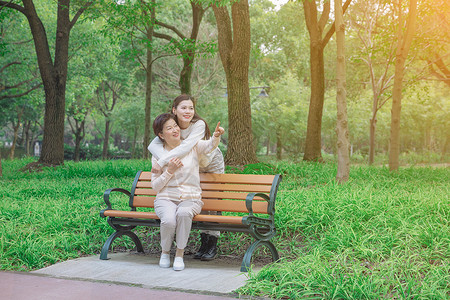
<point x="9" y="64"/>
<point x="165" y="37"/>
<point x="9" y="4"/>
<point x="330" y="32"/>
<point x="324" y="16"/>
<point x="22" y="94"/>
<point x="170" y="27"/>
<point x="78" y="14"/>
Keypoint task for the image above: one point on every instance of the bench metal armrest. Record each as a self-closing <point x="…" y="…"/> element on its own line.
<point x="249" y="201"/>
<point x="106" y="198"/>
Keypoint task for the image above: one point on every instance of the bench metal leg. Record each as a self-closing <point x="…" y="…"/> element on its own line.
<point x="112" y="237"/>
<point x="249" y="253"/>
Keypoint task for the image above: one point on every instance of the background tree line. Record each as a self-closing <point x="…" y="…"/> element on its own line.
<point x="97" y="72"/>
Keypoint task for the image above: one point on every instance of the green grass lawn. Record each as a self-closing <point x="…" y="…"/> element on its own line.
<point x="381" y="235"/>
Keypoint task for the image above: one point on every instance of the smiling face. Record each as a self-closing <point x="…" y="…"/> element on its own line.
<point x="185" y="112"/>
<point x="170" y="134"/>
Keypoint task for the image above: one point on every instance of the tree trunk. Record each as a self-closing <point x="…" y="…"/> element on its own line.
<point x="148" y="86"/>
<point x="313" y="143"/>
<point x="279" y="148"/>
<point x="403" y="45"/>
<point x="27" y="126"/>
<point x="133" y="146"/>
<point x="343" y="169"/>
<point x="16" y="132"/>
<point x="14" y="142"/>
<point x="188" y="59"/>
<point x="186" y="74"/>
<point x="373" y="125"/>
<point x="76" y="156"/>
<point x="79" y="136"/>
<point x="234" y="49"/>
<point x="106" y="139"/>
<point x="315" y="25"/>
<point x="445" y="148"/>
<point x="53" y="74"/>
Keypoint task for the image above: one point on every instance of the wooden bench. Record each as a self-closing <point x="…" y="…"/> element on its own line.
<point x="250" y="199"/>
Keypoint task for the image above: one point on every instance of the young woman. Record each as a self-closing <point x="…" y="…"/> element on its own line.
<point x="193" y="129"/>
<point x="178" y="197"/>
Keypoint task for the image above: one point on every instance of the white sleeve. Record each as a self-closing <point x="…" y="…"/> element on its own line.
<point x="205" y="147"/>
<point x="197" y="133"/>
<point x="160" y="180"/>
<point x="156" y="148"/>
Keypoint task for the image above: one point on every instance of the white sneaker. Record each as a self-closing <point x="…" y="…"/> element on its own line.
<point x="164" y="261"/>
<point x="178" y="264"/>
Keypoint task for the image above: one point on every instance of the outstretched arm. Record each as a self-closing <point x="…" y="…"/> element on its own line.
<point x="156" y="148"/>
<point x="208" y="146"/>
<point x="197" y="133"/>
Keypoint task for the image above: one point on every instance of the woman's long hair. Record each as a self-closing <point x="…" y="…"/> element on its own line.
<point x="184" y="97"/>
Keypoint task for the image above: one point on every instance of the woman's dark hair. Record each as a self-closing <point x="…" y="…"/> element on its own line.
<point x="158" y="123"/>
<point x="184" y="97"/>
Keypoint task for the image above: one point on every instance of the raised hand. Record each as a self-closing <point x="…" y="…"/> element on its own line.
<point x="219" y="130"/>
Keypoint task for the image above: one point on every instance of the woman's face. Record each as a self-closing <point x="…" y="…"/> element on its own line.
<point x="171" y="133"/>
<point x="185" y="112"/>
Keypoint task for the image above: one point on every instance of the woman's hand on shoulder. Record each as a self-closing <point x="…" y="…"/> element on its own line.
<point x="174" y="164"/>
<point x="218" y="131"/>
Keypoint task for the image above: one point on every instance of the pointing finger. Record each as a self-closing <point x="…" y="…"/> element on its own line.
<point x="217" y="127"/>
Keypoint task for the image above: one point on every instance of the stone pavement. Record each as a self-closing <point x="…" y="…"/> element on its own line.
<point x="21" y="286"/>
<point x="125" y="275"/>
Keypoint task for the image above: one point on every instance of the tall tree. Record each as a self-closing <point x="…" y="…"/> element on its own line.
<point x="53" y="70"/>
<point x="234" y="49"/>
<point x="186" y="45"/>
<point x="107" y="96"/>
<point x="139" y="20"/>
<point x="318" y="41"/>
<point x="404" y="39"/>
<point x="76" y="117"/>
<point x="378" y="53"/>
<point x="343" y="169"/>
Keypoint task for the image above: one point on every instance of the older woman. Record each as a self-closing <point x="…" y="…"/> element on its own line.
<point x="178" y="197"/>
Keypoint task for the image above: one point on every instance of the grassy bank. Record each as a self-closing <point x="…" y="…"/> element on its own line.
<point x="381" y="235"/>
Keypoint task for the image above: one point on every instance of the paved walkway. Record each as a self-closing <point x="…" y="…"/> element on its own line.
<point x="125" y="276"/>
<point x="21" y="286"/>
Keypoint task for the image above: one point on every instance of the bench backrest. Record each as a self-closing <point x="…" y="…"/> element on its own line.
<point x="220" y="192"/>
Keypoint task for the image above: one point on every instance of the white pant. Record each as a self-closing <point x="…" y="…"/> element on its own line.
<point x="176" y="218"/>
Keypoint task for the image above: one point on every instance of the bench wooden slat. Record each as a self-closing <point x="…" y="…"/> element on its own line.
<point x="234" y="206"/>
<point x="130" y="214"/>
<point x="236" y="187"/>
<point x="152" y="215"/>
<point x="211" y="204"/>
<point x="237" y="178"/>
<point x="142" y="201"/>
<point x="220" y="187"/>
<point x="205" y="194"/>
<point x="218" y="219"/>
<point x="225" y="178"/>
<point x="228" y="195"/>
